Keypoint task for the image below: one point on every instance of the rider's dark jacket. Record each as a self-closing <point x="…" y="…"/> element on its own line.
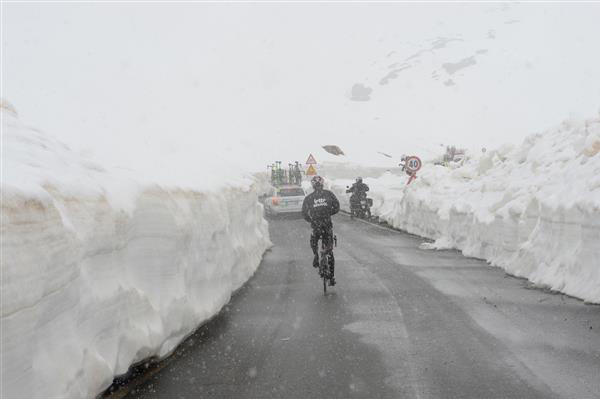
<point x="358" y="189"/>
<point x="318" y="207"/>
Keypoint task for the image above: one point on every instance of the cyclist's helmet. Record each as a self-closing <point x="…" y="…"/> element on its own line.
<point x="317" y="182"/>
<point x="359" y="179"/>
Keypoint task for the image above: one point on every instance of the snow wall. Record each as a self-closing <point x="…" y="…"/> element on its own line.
<point x="100" y="271"/>
<point x="533" y="209"/>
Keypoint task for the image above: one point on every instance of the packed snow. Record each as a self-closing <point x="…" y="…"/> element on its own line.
<point x="101" y="269"/>
<point x="532" y="209"/>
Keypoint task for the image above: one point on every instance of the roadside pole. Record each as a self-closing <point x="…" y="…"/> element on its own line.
<point x="412" y="164"/>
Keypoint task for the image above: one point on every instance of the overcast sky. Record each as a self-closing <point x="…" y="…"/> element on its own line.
<point x="150" y="84"/>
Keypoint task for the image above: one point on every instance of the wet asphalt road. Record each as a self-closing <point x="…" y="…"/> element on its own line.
<point x="401" y="323"/>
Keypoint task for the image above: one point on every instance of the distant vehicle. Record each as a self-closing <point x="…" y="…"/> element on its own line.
<point x="361" y="207"/>
<point x="285" y="200"/>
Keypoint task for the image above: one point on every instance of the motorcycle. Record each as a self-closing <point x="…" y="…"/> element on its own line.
<point x="360" y="206"/>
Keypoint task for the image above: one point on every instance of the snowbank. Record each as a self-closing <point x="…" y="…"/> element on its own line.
<point x="101" y="270"/>
<point x="533" y="210"/>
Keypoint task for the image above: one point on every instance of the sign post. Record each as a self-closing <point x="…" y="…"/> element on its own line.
<point x="311" y="162"/>
<point x="412" y="165"/>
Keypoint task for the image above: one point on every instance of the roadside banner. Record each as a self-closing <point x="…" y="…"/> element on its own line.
<point x="311" y="160"/>
<point x="311" y="171"/>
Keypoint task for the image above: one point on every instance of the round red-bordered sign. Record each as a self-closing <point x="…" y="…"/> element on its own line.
<point x="413" y="164"/>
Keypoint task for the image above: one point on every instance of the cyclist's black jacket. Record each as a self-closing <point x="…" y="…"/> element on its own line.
<point x="318" y="207"/>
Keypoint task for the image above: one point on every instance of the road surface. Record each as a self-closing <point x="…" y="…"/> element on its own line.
<point x="401" y="323"/>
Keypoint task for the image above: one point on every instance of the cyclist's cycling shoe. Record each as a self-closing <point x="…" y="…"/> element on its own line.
<point x="316" y="261"/>
<point x="331" y="282"/>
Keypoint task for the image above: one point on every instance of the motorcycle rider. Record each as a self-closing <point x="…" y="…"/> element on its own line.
<point x="317" y="209"/>
<point x="358" y="190"/>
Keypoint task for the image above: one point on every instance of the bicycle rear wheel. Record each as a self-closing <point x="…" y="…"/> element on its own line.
<point x="325" y="271"/>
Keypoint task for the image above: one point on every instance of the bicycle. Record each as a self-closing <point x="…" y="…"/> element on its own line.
<point x="325" y="260"/>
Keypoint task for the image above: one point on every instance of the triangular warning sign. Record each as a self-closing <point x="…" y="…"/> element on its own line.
<point x="311" y="160"/>
<point x="311" y="171"/>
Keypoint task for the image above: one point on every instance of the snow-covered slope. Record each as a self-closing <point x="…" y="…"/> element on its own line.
<point x="533" y="209"/>
<point x="101" y="269"/>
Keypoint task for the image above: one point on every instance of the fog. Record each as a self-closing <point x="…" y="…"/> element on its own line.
<point x="197" y="85"/>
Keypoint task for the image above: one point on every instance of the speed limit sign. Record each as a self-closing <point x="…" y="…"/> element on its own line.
<point x="413" y="164"/>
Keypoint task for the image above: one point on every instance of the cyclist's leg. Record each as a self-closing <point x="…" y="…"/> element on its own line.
<point x="326" y="236"/>
<point x="328" y="243"/>
<point x="314" y="245"/>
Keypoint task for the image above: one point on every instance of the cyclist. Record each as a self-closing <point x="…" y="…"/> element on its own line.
<point x="358" y="190"/>
<point x="317" y="209"/>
